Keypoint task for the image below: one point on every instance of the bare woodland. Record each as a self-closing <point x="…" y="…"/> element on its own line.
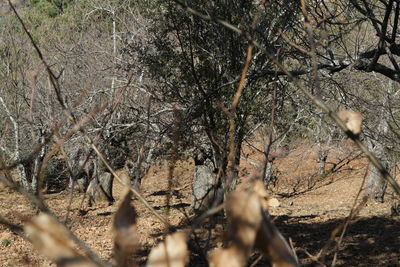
<point x="217" y="108"/>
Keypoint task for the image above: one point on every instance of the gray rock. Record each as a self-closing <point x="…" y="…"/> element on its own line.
<point x="204" y="189"/>
<point x="81" y="184"/>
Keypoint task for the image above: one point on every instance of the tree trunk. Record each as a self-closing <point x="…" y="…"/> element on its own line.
<point x="231" y="178"/>
<point x="268" y="173"/>
<point x="322" y="157"/>
<point x="37" y="166"/>
<point x="376" y="185"/>
<point x="23" y="177"/>
<point x="87" y="170"/>
<point x="100" y="189"/>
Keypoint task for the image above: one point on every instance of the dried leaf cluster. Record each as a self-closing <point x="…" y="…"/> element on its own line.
<point x="352" y="119"/>
<point x="54" y="241"/>
<point x="249" y="227"/>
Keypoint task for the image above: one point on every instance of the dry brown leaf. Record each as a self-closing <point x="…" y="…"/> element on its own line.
<point x="53" y="240"/>
<point x="243" y="212"/>
<point x="172" y="252"/>
<point x="225" y="257"/>
<point x="273" y="202"/>
<point x="271" y="242"/>
<point x="352" y="119"/>
<point x="126" y="236"/>
<point x="249" y="226"/>
<point x="259" y="189"/>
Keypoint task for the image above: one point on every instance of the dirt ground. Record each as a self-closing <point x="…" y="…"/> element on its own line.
<point x="311" y="208"/>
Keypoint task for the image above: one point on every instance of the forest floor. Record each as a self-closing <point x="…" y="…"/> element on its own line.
<point x="311" y="208"/>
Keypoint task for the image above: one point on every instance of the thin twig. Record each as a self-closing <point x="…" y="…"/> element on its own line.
<point x="256" y="261"/>
<point x="232" y="127"/>
<point x="353" y="212"/>
<point x="267" y="147"/>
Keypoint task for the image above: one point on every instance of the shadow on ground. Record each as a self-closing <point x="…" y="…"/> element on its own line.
<point x="373" y="241"/>
<point x="175" y="193"/>
<point x="368" y="241"/>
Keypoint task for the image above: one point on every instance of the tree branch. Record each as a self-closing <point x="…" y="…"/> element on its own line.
<point x="364" y="65"/>
<point x="394" y="48"/>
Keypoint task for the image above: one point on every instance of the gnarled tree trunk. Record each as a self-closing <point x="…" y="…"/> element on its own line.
<point x="100" y="189"/>
<point x="376" y="185"/>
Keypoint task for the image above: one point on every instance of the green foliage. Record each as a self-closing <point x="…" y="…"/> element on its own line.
<point x="45" y="8"/>
<point x="51" y="8"/>
<point x="42" y="11"/>
<point x="326" y="173"/>
<point x="5" y="242"/>
<point x="197" y="63"/>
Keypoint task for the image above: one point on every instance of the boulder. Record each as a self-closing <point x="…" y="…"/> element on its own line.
<point x="205" y="189"/>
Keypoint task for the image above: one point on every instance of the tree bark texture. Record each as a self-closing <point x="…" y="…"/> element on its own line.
<point x="100" y="189"/>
